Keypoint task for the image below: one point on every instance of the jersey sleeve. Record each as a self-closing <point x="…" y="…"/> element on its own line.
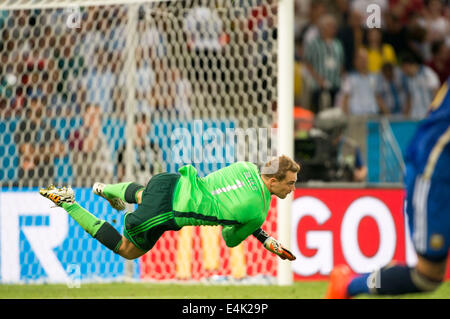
<point x="250" y="219"/>
<point x="235" y="234"/>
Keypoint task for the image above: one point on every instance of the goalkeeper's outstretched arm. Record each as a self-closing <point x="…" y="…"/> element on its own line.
<point x="272" y="245"/>
<point x="235" y="234"/>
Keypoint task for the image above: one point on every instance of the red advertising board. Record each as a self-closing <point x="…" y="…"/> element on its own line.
<point x="363" y="228"/>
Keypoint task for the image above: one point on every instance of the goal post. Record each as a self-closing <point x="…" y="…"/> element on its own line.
<point x="285" y="122"/>
<point x="84" y="82"/>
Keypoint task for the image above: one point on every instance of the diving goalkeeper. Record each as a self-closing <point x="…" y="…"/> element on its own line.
<point x="236" y="197"/>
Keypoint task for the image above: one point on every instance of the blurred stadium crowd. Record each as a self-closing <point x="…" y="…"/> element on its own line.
<point x="391" y="70"/>
<point x="361" y="72"/>
<point x="63" y="90"/>
<point x="340" y="64"/>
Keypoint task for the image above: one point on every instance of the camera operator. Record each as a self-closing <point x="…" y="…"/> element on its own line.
<point x="327" y="154"/>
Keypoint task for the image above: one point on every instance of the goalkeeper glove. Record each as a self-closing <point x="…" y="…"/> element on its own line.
<point x="272" y="245"/>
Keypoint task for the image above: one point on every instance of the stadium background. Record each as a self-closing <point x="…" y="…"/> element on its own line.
<point x="183" y="70"/>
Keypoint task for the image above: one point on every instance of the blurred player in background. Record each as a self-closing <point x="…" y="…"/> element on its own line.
<point x="236" y="197"/>
<point x="428" y="209"/>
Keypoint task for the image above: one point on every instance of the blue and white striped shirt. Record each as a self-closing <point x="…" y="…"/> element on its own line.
<point x="392" y="92"/>
<point x="327" y="59"/>
<point x="421" y="88"/>
<point x="360" y="89"/>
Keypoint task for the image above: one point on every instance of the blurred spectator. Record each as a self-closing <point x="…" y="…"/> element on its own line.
<point x="324" y="58"/>
<point x="114" y="29"/>
<point x="435" y="23"/>
<point x="440" y="62"/>
<point x="358" y="88"/>
<point x="171" y="92"/>
<point x="350" y="34"/>
<point x="259" y="48"/>
<point x="181" y="90"/>
<point x="204" y="29"/>
<point x="92" y="35"/>
<point x="103" y="27"/>
<point x="310" y="30"/>
<point x="299" y="91"/>
<point x="446" y="4"/>
<point x="146" y="154"/>
<point x="145" y="80"/>
<point x="339" y="8"/>
<point x="390" y="92"/>
<point x="26" y="73"/>
<point x="417" y="43"/>
<point x="421" y="83"/>
<point x="152" y="41"/>
<point x="39" y="144"/>
<point x="301" y="16"/>
<point x="395" y="33"/>
<point x="8" y="84"/>
<point x="298" y="77"/>
<point x="100" y="81"/>
<point x="378" y="51"/>
<point x="90" y="154"/>
<point x="160" y="99"/>
<point x="402" y="10"/>
<point x="69" y="66"/>
<point x="205" y="38"/>
<point x="103" y="39"/>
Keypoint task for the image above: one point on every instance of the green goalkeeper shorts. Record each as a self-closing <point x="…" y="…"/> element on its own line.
<point x="154" y="215"/>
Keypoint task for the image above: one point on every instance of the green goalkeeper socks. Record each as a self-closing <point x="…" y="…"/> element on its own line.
<point x="125" y="191"/>
<point x="116" y="190"/>
<point x="97" y="228"/>
<point x="86" y="220"/>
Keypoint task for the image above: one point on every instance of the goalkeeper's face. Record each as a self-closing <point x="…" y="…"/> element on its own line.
<point x="282" y="188"/>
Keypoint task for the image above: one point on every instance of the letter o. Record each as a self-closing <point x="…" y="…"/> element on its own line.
<point x="360" y="208"/>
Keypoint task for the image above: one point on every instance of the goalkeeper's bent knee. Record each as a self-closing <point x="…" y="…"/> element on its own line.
<point x="109" y="237"/>
<point x="131" y="193"/>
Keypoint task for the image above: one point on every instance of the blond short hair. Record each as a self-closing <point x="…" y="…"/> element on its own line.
<point x="278" y="167"/>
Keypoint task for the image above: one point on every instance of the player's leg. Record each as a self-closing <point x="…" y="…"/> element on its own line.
<point x="101" y="230"/>
<point x="154" y="214"/>
<point x="392" y="279"/>
<point x="427" y="208"/>
<point x="432" y="269"/>
<point x="395" y="279"/>
<point x="128" y="250"/>
<point x="118" y="194"/>
<point x="139" y="195"/>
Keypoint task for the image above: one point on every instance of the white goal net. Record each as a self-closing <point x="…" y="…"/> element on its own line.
<point x="117" y="91"/>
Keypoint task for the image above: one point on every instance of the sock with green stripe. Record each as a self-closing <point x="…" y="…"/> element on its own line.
<point x="125" y="191"/>
<point x="97" y="228"/>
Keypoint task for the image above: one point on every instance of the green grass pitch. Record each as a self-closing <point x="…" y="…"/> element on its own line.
<point x="299" y="290"/>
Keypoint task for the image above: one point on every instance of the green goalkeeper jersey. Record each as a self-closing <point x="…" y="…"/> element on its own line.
<point x="234" y="197"/>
